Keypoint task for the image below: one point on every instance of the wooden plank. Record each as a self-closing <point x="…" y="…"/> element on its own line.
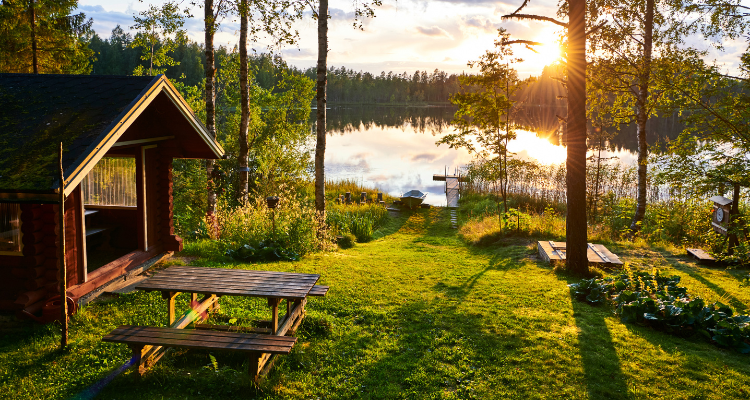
<point x="598" y="253"/>
<point x="235" y="280"/>
<point x="224" y="286"/>
<point x="232" y="328"/>
<point x="200" y="344"/>
<point x="291" y="318"/>
<point x="191" y="270"/>
<point x="212" y="337"/>
<point x="700" y="254"/>
<point x="318" y="291"/>
<point x="238" y="275"/>
<point x="224" y="291"/>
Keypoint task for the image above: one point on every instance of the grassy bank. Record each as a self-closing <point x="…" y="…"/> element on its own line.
<point x="413" y="314"/>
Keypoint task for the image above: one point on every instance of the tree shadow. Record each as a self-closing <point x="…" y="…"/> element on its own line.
<point x="601" y="363"/>
<point x="693" y="272"/>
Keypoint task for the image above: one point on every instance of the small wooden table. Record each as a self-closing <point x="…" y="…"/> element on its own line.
<point x="216" y="282"/>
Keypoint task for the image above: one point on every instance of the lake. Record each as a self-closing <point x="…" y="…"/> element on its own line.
<point x="393" y="148"/>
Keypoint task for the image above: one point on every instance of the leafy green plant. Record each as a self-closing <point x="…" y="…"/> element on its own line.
<point x="659" y="301"/>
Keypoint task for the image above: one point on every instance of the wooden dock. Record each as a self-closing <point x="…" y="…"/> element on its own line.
<point x="452" y="188"/>
<point x="452" y="192"/>
<point x="597" y="254"/>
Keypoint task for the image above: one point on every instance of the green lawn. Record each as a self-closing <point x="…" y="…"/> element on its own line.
<point x="414" y="314"/>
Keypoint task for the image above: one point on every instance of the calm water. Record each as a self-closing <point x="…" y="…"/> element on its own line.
<point x="393" y="148"/>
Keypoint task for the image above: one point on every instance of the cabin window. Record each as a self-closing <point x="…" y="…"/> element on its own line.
<point x="10" y="228"/>
<point x="111" y="183"/>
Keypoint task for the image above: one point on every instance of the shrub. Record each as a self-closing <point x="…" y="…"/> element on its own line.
<point x="347" y="241"/>
<point x="359" y="220"/>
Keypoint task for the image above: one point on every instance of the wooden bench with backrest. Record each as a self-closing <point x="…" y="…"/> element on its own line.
<point x="142" y="338"/>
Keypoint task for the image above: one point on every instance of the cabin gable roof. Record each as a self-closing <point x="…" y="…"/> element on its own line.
<point x="87" y="113"/>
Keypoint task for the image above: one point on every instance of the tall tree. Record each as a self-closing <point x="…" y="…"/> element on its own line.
<point x="320" y="102"/>
<point x="212" y="13"/>
<point x="576" y="233"/>
<point x="484" y="108"/>
<point x="159" y="33"/>
<point x="362" y="10"/>
<point x="274" y="18"/>
<point x="44" y="36"/>
<point x="244" y="103"/>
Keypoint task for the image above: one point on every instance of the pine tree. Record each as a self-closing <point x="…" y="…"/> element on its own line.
<point x="43" y="36"/>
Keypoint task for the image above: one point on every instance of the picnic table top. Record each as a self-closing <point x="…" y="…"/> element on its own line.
<point x="231" y="282"/>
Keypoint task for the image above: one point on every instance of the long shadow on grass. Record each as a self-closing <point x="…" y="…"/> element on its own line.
<point x="693" y="272"/>
<point x="601" y="364"/>
<point x="424" y="350"/>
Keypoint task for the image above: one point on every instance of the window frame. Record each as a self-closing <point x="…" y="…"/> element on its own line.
<point x="20" y="236"/>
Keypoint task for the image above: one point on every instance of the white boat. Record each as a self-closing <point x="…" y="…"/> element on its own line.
<point x="413" y="198"/>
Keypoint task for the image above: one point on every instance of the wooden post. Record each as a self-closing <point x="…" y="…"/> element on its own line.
<point x="63" y="276"/>
<point x="170" y="296"/>
<point x="274" y="303"/>
<point x="733" y="241"/>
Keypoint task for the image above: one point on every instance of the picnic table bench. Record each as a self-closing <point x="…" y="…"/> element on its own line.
<point x="139" y="337"/>
<point x="149" y="343"/>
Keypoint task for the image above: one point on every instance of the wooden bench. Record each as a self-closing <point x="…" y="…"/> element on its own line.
<point x="142" y="338"/>
<point x="318" y="291"/>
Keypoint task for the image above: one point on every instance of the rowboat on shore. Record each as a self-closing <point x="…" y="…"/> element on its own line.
<point x="413" y="198"/>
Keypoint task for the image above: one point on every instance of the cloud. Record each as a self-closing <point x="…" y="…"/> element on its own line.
<point x="105" y="21"/>
<point x="299" y="53"/>
<point x="379" y="178"/>
<point x="483" y="24"/>
<point x="434" y="31"/>
<point x="426" y="157"/>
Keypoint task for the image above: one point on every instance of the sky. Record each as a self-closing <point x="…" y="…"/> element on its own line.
<point x="405" y="35"/>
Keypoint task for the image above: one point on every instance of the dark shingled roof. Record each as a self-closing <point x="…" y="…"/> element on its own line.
<point x="37" y="112"/>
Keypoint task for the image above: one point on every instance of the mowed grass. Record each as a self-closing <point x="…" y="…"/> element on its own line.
<point x="414" y="314"/>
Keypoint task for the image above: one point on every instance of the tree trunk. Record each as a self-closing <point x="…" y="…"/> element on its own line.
<point x="642" y="117"/>
<point x="320" y="147"/>
<point x="210" y="94"/>
<point x="245" y="104"/>
<point x="32" y="17"/>
<point x="577" y="261"/>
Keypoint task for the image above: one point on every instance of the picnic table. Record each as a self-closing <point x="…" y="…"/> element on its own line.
<point x="148" y="343"/>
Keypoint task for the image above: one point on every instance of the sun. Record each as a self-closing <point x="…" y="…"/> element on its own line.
<point x="546" y="54"/>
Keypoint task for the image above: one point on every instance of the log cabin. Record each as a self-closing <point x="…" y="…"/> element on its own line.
<point x="120" y="135"/>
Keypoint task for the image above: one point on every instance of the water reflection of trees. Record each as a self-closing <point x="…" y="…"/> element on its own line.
<point x="543" y="120"/>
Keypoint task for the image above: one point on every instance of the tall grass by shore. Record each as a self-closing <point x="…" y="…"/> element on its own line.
<point x="537" y="208"/>
<point x="294" y="226"/>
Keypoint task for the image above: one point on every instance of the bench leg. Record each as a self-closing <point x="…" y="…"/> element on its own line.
<point x="256" y="363"/>
<point x="138" y="360"/>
